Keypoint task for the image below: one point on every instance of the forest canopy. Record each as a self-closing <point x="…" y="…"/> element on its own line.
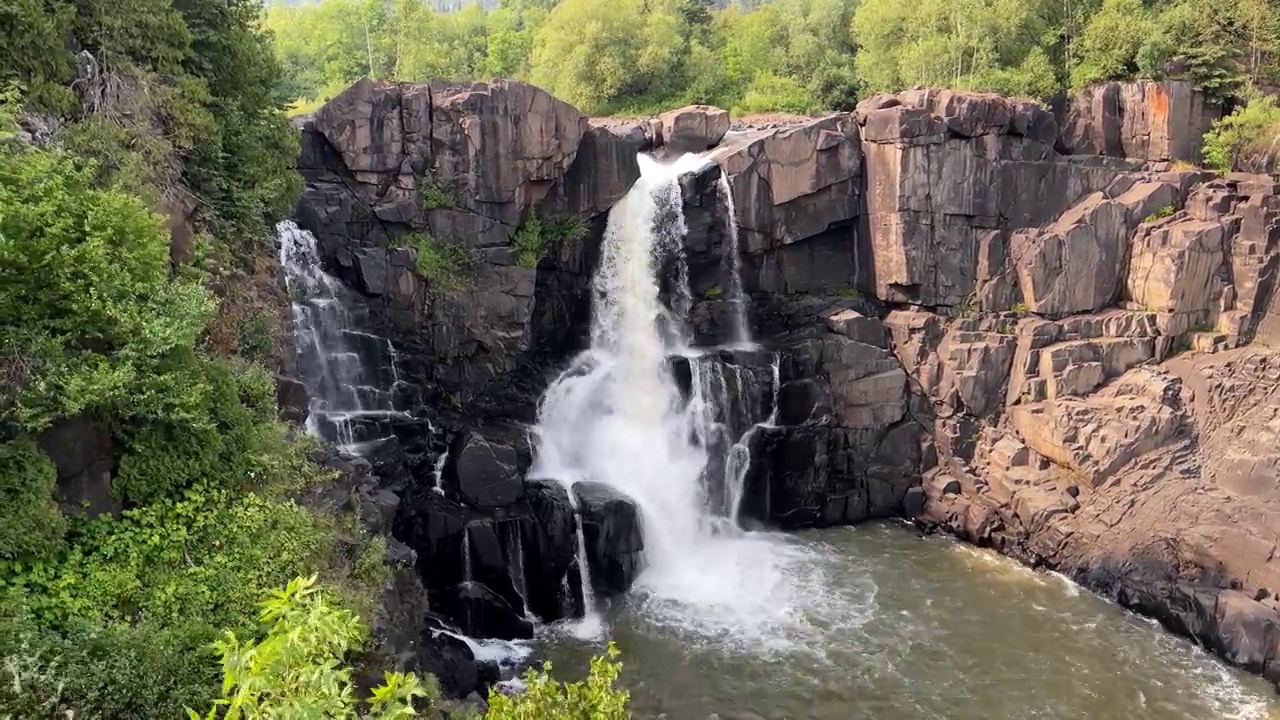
<point x="638" y="56"/>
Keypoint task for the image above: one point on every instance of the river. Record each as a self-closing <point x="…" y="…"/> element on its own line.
<point x="902" y="627"/>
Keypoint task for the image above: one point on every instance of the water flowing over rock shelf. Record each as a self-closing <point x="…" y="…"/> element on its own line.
<point x="602" y="362"/>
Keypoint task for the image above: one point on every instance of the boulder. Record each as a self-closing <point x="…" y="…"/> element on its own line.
<point x="551" y="546"/>
<point x="482" y="613"/>
<point x="292" y="398"/>
<point x="694" y="128"/>
<point x="482" y="472"/>
<point x="613" y="534"/>
<point x="449" y="658"/>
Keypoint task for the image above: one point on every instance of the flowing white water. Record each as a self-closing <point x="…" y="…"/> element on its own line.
<point x="338" y="363"/>
<point x="616" y="416"/>
<point x="737" y="298"/>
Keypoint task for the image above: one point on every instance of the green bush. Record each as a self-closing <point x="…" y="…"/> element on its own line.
<point x="1247" y="139"/>
<point x="31" y="524"/>
<point x="595" y="698"/>
<point x="118" y="672"/>
<point x="529" y="241"/>
<point x="443" y="265"/>
<point x="297" y="669"/>
<point x="86" y="295"/>
<point x="435" y="193"/>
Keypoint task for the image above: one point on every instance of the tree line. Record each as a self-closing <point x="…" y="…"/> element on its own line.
<point x="638" y="56"/>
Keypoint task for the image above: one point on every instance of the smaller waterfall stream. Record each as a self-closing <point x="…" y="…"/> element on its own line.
<point x="741" y="328"/>
<point x="351" y="376"/>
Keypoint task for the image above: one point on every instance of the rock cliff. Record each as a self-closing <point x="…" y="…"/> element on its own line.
<point x="1027" y="328"/>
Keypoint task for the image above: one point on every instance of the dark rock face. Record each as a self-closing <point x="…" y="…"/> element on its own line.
<point x="613" y="534"/>
<point x="84" y="455"/>
<point x="483" y="473"/>
<point x="480" y="612"/>
<point x="1148" y="120"/>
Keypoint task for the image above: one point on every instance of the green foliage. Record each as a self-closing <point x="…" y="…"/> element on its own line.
<point x="712" y="293"/>
<point x="436" y="193"/>
<point x="32" y="48"/>
<point x="126" y="672"/>
<point x="1247" y="139"/>
<point x="86" y="296"/>
<point x="1019" y="308"/>
<point x="1162" y="213"/>
<point x="798" y="56"/>
<point x="296" y="669"/>
<point x="595" y="698"/>
<point x="31" y="524"/>
<point x="204" y="557"/>
<point x="529" y="241"/>
<point x="443" y="265"/>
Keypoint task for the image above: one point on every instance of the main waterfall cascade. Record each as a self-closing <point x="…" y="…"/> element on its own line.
<point x="620" y="416"/>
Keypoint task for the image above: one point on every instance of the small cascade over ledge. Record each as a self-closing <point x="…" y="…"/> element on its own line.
<point x="351" y="376"/>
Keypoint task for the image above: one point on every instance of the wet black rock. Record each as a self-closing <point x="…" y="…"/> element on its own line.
<point x="483" y="472"/>
<point x="613" y="536"/>
<point x="480" y="612"/>
<point x="449" y="659"/>
<point x="550" y="547"/>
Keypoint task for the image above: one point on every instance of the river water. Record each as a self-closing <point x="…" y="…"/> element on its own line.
<point x="905" y="627"/>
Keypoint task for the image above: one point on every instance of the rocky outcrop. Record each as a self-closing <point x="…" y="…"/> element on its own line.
<point x="978" y="311"/>
<point x="1148" y="120"/>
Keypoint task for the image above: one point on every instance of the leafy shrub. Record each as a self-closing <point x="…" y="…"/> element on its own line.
<point x="443" y="265"/>
<point x="595" y="698"/>
<point x="296" y="670"/>
<point x="121" y="672"/>
<point x="203" y="557"/>
<point x="86" y="294"/>
<point x="1162" y="213"/>
<point x="1019" y="308"/>
<point x="1247" y="140"/>
<point x="435" y="193"/>
<point x="31" y="524"/>
<point x="223" y="439"/>
<point x="529" y="241"/>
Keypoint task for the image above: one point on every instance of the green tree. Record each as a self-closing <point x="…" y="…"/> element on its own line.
<point x="109" y="320"/>
<point x="596" y="55"/>
<point x="298" y="670"/>
<point x="1247" y="140"/>
<point x="968" y="44"/>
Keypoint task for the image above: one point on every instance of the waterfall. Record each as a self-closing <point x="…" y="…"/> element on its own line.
<point x="591" y="625"/>
<point x="737" y="298"/>
<point x="351" y="376"/>
<point x="437" y="472"/>
<point x="466" y="554"/>
<point x="617" y="416"/>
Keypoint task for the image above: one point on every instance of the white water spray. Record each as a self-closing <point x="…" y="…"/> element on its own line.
<point x="616" y="416"/>
<point x="338" y="363"/>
